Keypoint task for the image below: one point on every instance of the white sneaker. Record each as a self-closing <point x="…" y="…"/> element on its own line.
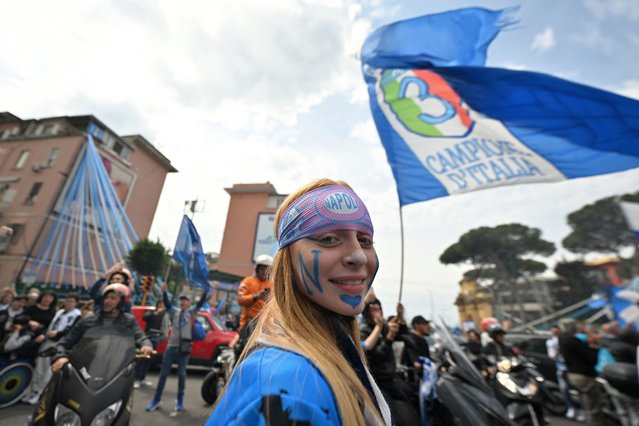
<point x="570" y="414"/>
<point x="147" y="383"/>
<point x="581" y="417"/>
<point x="136" y="385"/>
<point x="33" y="400"/>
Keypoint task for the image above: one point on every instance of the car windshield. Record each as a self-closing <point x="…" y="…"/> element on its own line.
<point x="102" y="353"/>
<point x="219" y="322"/>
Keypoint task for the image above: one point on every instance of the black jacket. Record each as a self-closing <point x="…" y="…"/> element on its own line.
<point x="381" y="358"/>
<point x="127" y="320"/>
<point x="579" y="357"/>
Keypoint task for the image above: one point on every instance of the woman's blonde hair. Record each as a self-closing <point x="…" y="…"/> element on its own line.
<point x="292" y="321"/>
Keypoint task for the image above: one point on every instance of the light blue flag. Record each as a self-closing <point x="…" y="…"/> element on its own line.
<point x="631" y="212"/>
<point x="188" y="251"/>
<point x="450" y="125"/>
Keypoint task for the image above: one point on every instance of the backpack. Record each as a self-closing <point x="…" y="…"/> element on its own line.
<point x="197" y="330"/>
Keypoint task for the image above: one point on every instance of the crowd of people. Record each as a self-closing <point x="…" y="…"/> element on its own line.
<point x="313" y="344"/>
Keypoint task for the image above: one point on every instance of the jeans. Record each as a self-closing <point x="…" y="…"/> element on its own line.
<point x="172" y="355"/>
<point x="591" y="396"/>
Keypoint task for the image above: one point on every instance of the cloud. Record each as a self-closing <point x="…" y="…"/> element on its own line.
<point x="629" y="88"/>
<point x="544" y="41"/>
<point x="624" y="9"/>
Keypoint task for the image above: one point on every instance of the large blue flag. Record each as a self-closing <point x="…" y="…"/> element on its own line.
<point x="450" y="125"/>
<point x="188" y="251"/>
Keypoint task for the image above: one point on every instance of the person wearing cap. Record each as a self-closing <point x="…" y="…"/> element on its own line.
<point x="254" y="290"/>
<point x="179" y="346"/>
<point x="303" y="363"/>
<point x="415" y="343"/>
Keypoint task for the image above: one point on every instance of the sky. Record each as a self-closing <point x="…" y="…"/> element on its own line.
<point x="249" y="91"/>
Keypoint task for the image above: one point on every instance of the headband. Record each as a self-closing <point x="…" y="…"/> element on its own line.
<point x="328" y="208"/>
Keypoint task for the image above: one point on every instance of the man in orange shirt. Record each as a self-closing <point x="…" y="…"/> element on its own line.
<point x="254" y="290"/>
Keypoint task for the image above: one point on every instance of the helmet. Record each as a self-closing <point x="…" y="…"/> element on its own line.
<point x="263" y="259"/>
<point x="494" y="330"/>
<point x="486" y="322"/>
<point x="121" y="289"/>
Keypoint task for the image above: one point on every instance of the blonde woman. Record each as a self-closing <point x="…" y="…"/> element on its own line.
<point x="304" y="362"/>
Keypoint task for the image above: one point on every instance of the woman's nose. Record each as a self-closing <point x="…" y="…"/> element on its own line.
<point x="354" y="254"/>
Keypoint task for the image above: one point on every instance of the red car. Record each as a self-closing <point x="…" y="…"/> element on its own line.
<point x="205" y="351"/>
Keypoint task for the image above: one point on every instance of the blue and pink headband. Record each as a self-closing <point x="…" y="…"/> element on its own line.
<point x="325" y="209"/>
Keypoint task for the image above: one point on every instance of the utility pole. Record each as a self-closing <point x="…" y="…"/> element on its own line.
<point x="194" y="206"/>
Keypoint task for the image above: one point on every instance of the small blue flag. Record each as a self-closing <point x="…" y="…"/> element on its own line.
<point x="631" y="213"/>
<point x="188" y="251"/>
<point x="450" y="125"/>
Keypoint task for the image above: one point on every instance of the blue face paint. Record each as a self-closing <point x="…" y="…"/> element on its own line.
<point x="352" y="301"/>
<point x="305" y="272"/>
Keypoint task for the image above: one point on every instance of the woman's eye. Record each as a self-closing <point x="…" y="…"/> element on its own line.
<point x="365" y="241"/>
<point x="327" y="239"/>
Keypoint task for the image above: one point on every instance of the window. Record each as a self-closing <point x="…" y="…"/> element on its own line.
<point x="205" y="324"/>
<point x="22" y="159"/>
<point x="122" y="150"/>
<point x="33" y="194"/>
<point x="6" y="196"/>
<point x="118" y="147"/>
<point x="49" y="129"/>
<point x="53" y="155"/>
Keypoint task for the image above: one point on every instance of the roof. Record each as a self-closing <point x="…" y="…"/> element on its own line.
<point x="252" y="187"/>
<point x="140" y="141"/>
<point x="7" y="117"/>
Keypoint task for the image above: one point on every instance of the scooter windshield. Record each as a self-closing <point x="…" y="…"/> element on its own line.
<point x="463" y="363"/>
<point x="102" y="353"/>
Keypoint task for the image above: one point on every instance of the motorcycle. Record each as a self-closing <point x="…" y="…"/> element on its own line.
<point x="461" y="395"/>
<point x="218" y="377"/>
<point x="96" y="386"/>
<point x="619" y="381"/>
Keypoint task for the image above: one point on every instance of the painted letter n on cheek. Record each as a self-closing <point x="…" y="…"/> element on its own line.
<point x="314" y="278"/>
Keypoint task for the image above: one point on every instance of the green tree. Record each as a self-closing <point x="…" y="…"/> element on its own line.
<point x="148" y="257"/>
<point x="576" y="281"/>
<point x="500" y="250"/>
<point x="600" y="227"/>
<point x="501" y="253"/>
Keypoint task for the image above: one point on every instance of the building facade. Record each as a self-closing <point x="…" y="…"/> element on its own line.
<point x="37" y="157"/>
<point x="248" y="232"/>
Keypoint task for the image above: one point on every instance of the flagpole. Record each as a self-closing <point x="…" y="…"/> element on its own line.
<point x="401" y="267"/>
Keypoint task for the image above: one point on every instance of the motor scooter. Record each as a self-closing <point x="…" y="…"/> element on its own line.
<point x="95" y="388"/>
<point x="519" y="391"/>
<point x="461" y="395"/>
<point x="619" y="380"/>
<point x="219" y="375"/>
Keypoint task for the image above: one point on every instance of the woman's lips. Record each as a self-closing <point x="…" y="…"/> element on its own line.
<point x="350" y="286"/>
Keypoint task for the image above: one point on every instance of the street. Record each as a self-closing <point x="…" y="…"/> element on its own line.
<point x="195" y="409"/>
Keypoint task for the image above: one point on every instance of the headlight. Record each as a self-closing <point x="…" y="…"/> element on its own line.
<point x="106" y="416"/>
<point x="529" y="390"/>
<point x="64" y="416"/>
<point x="504" y="365"/>
<point x="505" y="380"/>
